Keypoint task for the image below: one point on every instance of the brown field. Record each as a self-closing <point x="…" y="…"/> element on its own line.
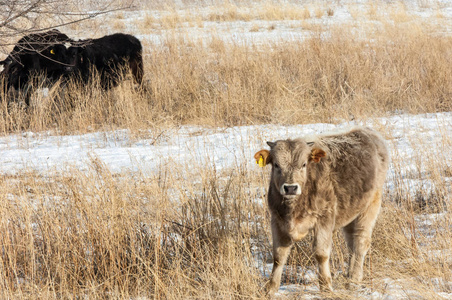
<point x="320" y="79"/>
<point x="100" y="235"/>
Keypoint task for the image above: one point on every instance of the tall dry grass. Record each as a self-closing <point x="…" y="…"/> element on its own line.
<point x="321" y="79"/>
<point x="190" y="231"/>
<point x="93" y="234"/>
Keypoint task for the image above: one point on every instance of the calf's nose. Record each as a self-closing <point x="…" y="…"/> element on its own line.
<point x="291" y="189"/>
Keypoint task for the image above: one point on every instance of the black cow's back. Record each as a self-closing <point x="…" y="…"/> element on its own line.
<point x="108" y="56"/>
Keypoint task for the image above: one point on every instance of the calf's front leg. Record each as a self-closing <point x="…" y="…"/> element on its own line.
<point x="282" y="244"/>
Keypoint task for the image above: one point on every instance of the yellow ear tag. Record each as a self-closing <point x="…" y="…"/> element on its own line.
<point x="52" y="51"/>
<point x="260" y="162"/>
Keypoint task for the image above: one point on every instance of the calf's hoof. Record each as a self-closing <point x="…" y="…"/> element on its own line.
<point x="270" y="290"/>
<point x="354" y="286"/>
<point x="326" y="286"/>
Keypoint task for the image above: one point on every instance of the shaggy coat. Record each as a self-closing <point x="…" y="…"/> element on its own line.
<point x="321" y="184"/>
<point x="107" y="56"/>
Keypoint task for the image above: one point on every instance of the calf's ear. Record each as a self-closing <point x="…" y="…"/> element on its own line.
<point x="263" y="158"/>
<point x="317" y="154"/>
<point x="271" y="144"/>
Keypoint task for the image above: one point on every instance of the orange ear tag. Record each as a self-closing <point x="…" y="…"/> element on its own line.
<point x="261" y="162"/>
<point x="52" y="51"/>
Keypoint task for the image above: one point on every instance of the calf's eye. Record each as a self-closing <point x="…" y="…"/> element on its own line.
<point x="304" y="165"/>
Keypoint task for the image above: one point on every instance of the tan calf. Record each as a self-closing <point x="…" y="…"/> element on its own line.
<point x="322" y="184"/>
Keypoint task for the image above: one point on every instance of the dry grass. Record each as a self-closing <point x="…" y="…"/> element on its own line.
<point x="272" y="11"/>
<point x="191" y="231"/>
<point x="229" y="12"/>
<point x="319" y="12"/>
<point x="220" y="84"/>
<point x="373" y="12"/>
<point x="118" y="25"/>
<point x="254" y="28"/>
<point x="398" y="13"/>
<point x="97" y="235"/>
<point x="171" y="19"/>
<point x="147" y="23"/>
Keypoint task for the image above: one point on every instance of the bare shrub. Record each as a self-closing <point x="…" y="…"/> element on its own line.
<point x="23" y="17"/>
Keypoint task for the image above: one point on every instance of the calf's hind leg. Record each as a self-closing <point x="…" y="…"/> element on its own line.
<point x="323" y="239"/>
<point x="358" y="237"/>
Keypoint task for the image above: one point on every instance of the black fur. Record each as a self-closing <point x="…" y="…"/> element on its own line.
<point x="43" y="52"/>
<point x="108" y="56"/>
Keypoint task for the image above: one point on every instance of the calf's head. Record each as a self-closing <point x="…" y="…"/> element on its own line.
<point x="290" y="160"/>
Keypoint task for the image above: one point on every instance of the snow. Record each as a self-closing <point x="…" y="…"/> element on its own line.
<point x="195" y="22"/>
<point x="43" y="152"/>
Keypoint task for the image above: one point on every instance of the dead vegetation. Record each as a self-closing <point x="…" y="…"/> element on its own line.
<point x="100" y="235"/>
<point x="215" y="83"/>
<point x="97" y="234"/>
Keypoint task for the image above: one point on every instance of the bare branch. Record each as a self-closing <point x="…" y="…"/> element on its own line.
<point x="22" y="17"/>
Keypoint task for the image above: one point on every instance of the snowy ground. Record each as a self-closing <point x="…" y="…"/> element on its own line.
<point x="225" y="148"/>
<point x="251" y="25"/>
<point x="43" y="152"/>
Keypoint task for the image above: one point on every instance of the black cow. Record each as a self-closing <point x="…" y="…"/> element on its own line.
<point x="44" y="52"/>
<point x="109" y="56"/>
